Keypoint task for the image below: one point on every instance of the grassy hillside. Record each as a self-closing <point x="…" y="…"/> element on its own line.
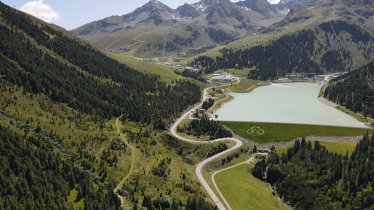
<point x="94" y="144"/>
<point x="69" y="94"/>
<point x="34" y="175"/>
<point x="243" y="191"/>
<point x="103" y="88"/>
<point x="165" y="73"/>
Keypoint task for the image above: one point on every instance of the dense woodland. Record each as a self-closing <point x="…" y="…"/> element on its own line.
<point x="310" y="177"/>
<point x="208" y="103"/>
<point x="34" y="176"/>
<point x="205" y="126"/>
<point x="191" y="74"/>
<point x="70" y="71"/>
<point x="301" y="52"/>
<point x="354" y="90"/>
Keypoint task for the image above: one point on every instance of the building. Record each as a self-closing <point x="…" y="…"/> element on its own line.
<point x="222" y="78"/>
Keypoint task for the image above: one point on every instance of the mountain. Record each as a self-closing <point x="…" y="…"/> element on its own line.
<point x="320" y="37"/>
<point x="354" y="90"/>
<point x="155" y="29"/>
<point x="153" y="13"/>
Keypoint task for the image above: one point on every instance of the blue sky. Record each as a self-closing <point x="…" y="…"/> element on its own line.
<point x="73" y="13"/>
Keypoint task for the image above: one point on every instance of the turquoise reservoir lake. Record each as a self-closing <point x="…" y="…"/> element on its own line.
<point x="285" y="103"/>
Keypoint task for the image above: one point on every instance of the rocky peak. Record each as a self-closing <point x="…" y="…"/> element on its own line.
<point x="155" y="6"/>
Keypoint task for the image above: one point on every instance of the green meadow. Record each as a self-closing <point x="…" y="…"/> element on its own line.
<point x="278" y="132"/>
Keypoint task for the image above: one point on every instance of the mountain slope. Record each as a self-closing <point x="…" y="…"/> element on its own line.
<point x="259" y="6"/>
<point x="354" y="90"/>
<point x="156" y="29"/>
<point x="317" y="38"/>
<point x="33" y="176"/>
<point x="105" y="86"/>
<point x="60" y="98"/>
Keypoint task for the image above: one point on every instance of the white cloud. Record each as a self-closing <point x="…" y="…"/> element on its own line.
<point x="40" y="10"/>
<point x="273" y="1"/>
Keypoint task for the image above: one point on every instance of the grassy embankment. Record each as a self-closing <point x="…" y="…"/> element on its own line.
<point x="277" y="132"/>
<point x="243" y="191"/>
<point x="246" y="85"/>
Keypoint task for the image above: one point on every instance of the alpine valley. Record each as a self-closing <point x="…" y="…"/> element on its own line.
<point x="216" y="104"/>
<point x="156" y="29"/>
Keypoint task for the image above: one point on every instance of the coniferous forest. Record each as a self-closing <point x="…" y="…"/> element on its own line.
<point x="308" y="176"/>
<point x="61" y="74"/>
<point x="354" y="90"/>
<point x="301" y="52"/>
<point x="34" y="176"/>
<point x="67" y="70"/>
<point x="205" y="126"/>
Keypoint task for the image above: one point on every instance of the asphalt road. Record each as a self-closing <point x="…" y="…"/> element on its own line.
<point x="200" y="166"/>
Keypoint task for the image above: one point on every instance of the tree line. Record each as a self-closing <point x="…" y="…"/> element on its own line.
<point x="308" y="176"/>
<point x="205" y="126"/>
<point x="195" y="202"/>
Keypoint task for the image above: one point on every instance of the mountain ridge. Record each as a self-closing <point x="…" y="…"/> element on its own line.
<point x="320" y="37"/>
<point x="155" y="27"/>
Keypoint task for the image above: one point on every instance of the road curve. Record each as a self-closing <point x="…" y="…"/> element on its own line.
<point x="200" y="166"/>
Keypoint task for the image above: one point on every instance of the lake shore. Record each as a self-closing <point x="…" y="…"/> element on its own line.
<point x="296" y="103"/>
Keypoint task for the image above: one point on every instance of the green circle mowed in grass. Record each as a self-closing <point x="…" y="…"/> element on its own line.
<point x="255" y="129"/>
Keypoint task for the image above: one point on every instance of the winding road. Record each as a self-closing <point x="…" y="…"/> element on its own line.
<point x="200" y="166"/>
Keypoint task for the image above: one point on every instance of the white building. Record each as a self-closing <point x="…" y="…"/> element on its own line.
<point x="223" y="78"/>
